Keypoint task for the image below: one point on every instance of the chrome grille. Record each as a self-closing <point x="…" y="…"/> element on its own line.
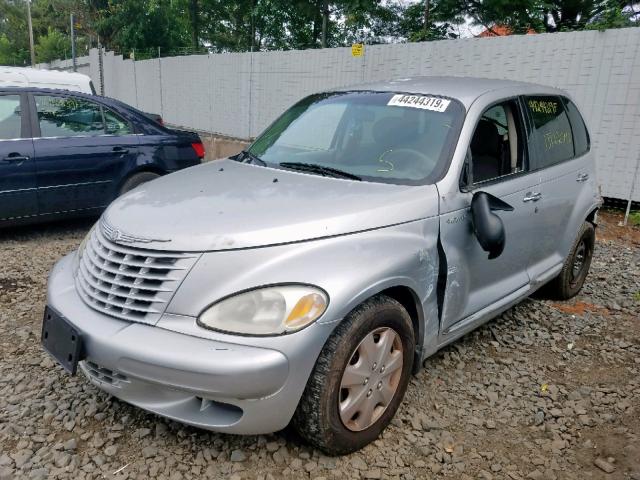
<point x="129" y="283"/>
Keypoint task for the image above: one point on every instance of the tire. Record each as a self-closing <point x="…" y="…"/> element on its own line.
<point x="137" y="179"/>
<point x="318" y="418"/>
<point x="570" y="280"/>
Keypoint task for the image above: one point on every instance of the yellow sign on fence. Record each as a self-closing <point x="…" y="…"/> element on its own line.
<point x="357" y="50"/>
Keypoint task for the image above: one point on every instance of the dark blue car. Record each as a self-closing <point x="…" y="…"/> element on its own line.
<point x="68" y="154"/>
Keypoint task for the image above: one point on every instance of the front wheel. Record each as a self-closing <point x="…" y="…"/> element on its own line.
<point x="576" y="267"/>
<point x="359" y="379"/>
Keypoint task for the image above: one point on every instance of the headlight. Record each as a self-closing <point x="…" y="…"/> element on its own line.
<point x="267" y="311"/>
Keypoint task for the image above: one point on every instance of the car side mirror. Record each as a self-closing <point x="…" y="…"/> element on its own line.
<point x="487" y="226"/>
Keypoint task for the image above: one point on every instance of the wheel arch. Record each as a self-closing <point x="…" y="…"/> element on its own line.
<point x="591" y="217"/>
<point x="408" y="298"/>
<point x="146" y="168"/>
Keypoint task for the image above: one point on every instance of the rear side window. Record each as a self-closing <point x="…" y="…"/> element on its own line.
<point x="552" y="136"/>
<point x="10" y="117"/>
<point x="115" y="124"/>
<point x="68" y="117"/>
<point x="581" y="141"/>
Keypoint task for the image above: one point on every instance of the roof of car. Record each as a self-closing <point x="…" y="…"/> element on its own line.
<point x="35" y="74"/>
<point x="89" y="96"/>
<point x="465" y="89"/>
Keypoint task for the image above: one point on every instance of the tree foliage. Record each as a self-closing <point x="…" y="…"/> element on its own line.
<point x="176" y="26"/>
<point x="52" y="46"/>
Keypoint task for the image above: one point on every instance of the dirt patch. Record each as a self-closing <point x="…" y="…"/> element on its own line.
<point x="610" y="228"/>
<point x="580" y="308"/>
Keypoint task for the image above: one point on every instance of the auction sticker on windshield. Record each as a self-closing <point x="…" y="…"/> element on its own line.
<point x="420" y="101"/>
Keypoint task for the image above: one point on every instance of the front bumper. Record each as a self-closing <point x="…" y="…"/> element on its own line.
<point x="223" y="382"/>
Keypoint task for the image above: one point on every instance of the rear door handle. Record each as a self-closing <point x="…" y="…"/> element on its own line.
<point x="532" y="197"/>
<point x="582" y="177"/>
<point x="120" y="150"/>
<point x="15" y="158"/>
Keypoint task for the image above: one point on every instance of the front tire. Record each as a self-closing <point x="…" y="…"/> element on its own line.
<point x="359" y="379"/>
<point x="576" y="267"/>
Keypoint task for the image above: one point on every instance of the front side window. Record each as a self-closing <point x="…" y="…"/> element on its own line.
<point x="552" y="135"/>
<point x="497" y="146"/>
<point x="68" y="117"/>
<point x="376" y="136"/>
<point x="10" y="117"/>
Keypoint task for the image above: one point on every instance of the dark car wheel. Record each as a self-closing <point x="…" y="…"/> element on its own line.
<point x="576" y="267"/>
<point x="359" y="379"/>
<point x="137" y="179"/>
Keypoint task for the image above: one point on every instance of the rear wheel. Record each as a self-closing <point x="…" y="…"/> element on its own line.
<point x="137" y="179"/>
<point x="359" y="379"/>
<point x="576" y="267"/>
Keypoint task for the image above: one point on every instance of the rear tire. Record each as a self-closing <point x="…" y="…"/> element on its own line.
<point x="576" y="267"/>
<point x="337" y="413"/>
<point x="137" y="179"/>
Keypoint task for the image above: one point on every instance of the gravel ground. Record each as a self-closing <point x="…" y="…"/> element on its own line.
<point x="548" y="390"/>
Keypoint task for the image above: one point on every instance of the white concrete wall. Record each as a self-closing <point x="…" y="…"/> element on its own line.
<point x="239" y="94"/>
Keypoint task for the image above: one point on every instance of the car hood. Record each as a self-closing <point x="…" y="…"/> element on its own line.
<point x="226" y="205"/>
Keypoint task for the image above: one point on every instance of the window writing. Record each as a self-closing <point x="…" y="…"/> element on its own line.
<point x="552" y="134"/>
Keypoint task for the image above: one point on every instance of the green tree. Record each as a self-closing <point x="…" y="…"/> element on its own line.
<point x="13" y="30"/>
<point x="52" y="46"/>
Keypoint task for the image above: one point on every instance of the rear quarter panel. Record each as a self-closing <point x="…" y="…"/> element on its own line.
<point x="168" y="152"/>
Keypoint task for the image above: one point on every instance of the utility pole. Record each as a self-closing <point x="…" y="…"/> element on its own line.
<point x="427" y="8"/>
<point x="325" y="22"/>
<point x="73" y="45"/>
<point x="31" y="47"/>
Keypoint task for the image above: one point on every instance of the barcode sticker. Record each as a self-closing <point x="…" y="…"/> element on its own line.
<point x="420" y="101"/>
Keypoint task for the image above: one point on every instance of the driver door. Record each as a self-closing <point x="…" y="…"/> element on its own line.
<point x="498" y="165"/>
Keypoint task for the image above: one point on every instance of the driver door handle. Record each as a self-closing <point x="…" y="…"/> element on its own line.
<point x="582" y="177"/>
<point x="15" y="158"/>
<point x="532" y="197"/>
<point x="120" y="150"/>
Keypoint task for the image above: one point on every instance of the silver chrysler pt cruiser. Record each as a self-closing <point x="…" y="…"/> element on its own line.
<point x="304" y="280"/>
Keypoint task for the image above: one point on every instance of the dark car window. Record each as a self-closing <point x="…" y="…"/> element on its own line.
<point x="552" y="135"/>
<point x="68" y="116"/>
<point x="497" y="147"/>
<point x="115" y="124"/>
<point x="581" y="141"/>
<point x="10" y="117"/>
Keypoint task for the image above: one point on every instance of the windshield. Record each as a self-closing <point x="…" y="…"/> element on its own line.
<point x="375" y="136"/>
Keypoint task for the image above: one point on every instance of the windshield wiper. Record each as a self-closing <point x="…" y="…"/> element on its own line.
<point x="246" y="156"/>
<point x="322" y="170"/>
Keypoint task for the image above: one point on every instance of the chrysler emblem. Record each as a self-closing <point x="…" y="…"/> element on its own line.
<point x="118" y="236"/>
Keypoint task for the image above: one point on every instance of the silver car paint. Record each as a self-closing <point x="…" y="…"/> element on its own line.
<point x="352" y="239"/>
<point x="229" y="205"/>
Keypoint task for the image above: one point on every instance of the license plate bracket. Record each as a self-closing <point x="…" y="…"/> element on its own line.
<point x="61" y="340"/>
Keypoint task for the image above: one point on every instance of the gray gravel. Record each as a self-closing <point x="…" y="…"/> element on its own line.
<point x="547" y="391"/>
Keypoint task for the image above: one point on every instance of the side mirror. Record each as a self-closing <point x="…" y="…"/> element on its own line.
<point x="487" y="226"/>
